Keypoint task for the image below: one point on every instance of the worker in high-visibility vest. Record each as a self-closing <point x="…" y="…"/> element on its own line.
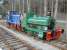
<point x="48" y="36"/>
<point x="58" y="32"/>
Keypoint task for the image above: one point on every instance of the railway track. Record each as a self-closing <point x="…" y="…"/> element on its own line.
<point x="9" y="42"/>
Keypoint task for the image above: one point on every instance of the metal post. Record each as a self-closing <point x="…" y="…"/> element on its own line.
<point x="10" y="4"/>
<point x="52" y="10"/>
<point x="45" y="7"/>
<point x="13" y="2"/>
<point x="66" y="24"/>
<point x="41" y="7"/>
<point x="28" y="5"/>
<point x="56" y="8"/>
<point x="20" y="1"/>
<point x="23" y="8"/>
<point x="19" y="5"/>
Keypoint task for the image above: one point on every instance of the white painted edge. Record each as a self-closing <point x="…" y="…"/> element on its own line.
<point x="61" y="21"/>
<point x="33" y="42"/>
